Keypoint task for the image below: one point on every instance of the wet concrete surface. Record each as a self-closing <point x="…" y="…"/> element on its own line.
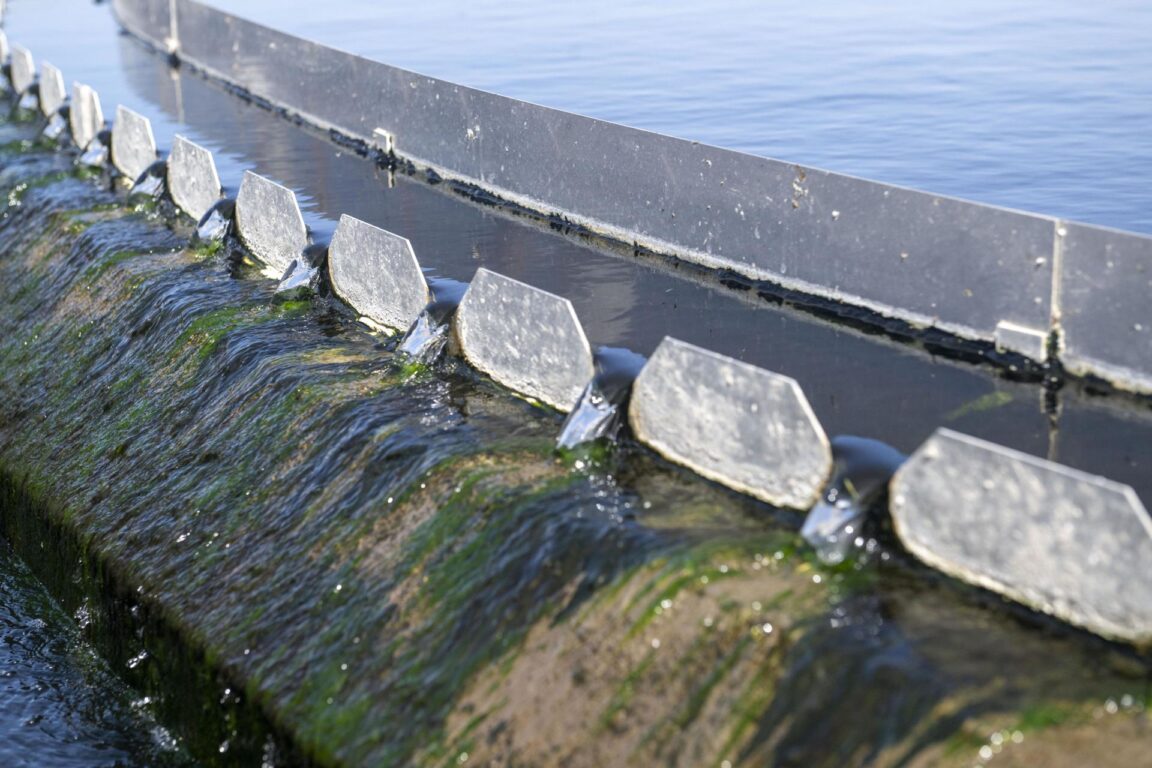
<point x="394" y="566"/>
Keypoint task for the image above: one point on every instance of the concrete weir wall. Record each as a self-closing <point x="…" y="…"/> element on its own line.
<point x="393" y="562"/>
<point x="395" y="568"/>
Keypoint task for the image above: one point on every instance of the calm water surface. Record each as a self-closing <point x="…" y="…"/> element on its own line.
<point x="60" y="704"/>
<point x="1044" y="105"/>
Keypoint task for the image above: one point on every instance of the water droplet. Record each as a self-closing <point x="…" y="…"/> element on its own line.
<point x="767" y="628"/>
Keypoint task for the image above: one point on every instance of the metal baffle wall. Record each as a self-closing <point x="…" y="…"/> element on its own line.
<point x="977" y="272"/>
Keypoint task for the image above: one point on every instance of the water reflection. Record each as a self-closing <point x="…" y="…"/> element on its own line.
<point x="1029" y="105"/>
<point x="857" y="384"/>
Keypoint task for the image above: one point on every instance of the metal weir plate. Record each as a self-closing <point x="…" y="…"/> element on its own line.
<point x="974" y="271"/>
<point x="52" y="89"/>
<point x="269" y="222"/>
<point x="192" y="178"/>
<point x="133" y="146"/>
<point x="86" y="117"/>
<point x="1058" y="540"/>
<point x="23" y="69"/>
<point x="527" y="339"/>
<point x="377" y="273"/>
<point x="742" y="426"/>
<point x="1106" y="305"/>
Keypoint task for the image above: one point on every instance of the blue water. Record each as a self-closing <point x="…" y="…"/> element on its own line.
<point x="1039" y="106"/>
<point x="1042" y="105"/>
<point x="60" y="704"/>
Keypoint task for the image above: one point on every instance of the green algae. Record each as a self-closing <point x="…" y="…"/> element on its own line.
<point x="209" y="329"/>
<point x="1046" y="714"/>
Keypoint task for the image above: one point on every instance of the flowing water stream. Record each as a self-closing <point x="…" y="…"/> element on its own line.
<point x="394" y="561"/>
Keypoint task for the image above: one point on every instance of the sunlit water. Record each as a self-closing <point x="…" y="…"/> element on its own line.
<point x="1032" y="107"/>
<point x="292" y="527"/>
<point x="60" y="705"/>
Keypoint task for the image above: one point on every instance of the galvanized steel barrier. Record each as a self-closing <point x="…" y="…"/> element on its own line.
<point x="977" y="511"/>
<point x="975" y="271"/>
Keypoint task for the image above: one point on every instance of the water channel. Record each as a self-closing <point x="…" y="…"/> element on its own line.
<point x="902" y="647"/>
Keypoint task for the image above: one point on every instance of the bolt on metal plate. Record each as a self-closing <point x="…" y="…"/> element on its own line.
<point x="52" y="89"/>
<point x="192" y="178"/>
<point x="86" y="117"/>
<point x="1058" y="540"/>
<point x="527" y="339"/>
<point x="742" y="426"/>
<point x="269" y="222"/>
<point x="23" y="69"/>
<point x="133" y="145"/>
<point x="377" y="274"/>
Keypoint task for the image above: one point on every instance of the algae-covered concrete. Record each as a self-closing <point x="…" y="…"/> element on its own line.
<point x="394" y="567"/>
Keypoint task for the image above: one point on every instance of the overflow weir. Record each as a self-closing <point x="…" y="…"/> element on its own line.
<point x="311" y="547"/>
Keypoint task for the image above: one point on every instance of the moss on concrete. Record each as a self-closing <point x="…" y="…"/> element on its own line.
<point x="393" y="566"/>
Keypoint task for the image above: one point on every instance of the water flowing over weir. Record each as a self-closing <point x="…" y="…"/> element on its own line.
<point x="378" y="562"/>
<point x="393" y="567"/>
